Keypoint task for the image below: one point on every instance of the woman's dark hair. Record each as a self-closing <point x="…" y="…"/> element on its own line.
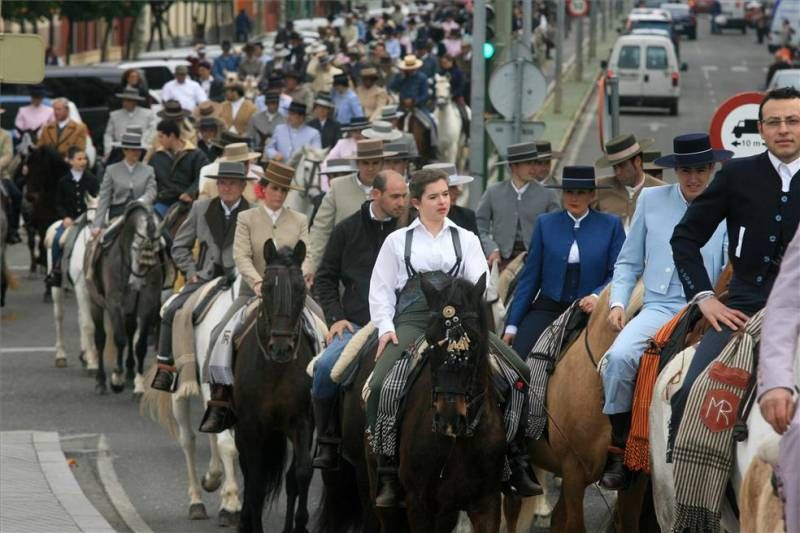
<point x="73" y="150"/>
<point x="126" y="75"/>
<point x="422" y="178"/>
<point x="784" y="93"/>
<point x="169" y="127"/>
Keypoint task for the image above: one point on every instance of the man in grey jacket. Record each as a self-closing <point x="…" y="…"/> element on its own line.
<point x="507" y="211"/>
<point x="212" y="223"/>
<point x="124" y="182"/>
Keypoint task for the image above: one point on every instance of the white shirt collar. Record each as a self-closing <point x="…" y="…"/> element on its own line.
<point x="364" y="187"/>
<point x="633" y="190"/>
<point x="785" y="170"/>
<point x="578" y="220"/>
<point x="373" y="217"/>
<point x="274" y="215"/>
<point x="63" y="124"/>
<point x="227" y="210"/>
<point x="76" y="176"/>
<point x="521" y="190"/>
<point x="129" y="167"/>
<point x="417" y="223"/>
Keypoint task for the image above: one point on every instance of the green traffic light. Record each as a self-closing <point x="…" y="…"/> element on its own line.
<point x="488" y="50"/>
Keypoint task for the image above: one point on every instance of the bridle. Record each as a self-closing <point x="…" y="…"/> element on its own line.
<point x="146" y="249"/>
<point x="282" y="300"/>
<point x="310" y="176"/>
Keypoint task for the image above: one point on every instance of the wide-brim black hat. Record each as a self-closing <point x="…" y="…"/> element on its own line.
<point x="579" y="177"/>
<point x="519" y="153"/>
<point x="297" y="107"/>
<point x="173" y="109"/>
<point x="692" y="150"/>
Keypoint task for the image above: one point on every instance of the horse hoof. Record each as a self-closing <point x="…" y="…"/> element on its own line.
<point x="100" y="388"/>
<point x="117" y="388"/>
<point x="82" y="359"/>
<point x="211" y="483"/>
<point x="61" y="362"/>
<point x="225" y="518"/>
<point x="197" y="511"/>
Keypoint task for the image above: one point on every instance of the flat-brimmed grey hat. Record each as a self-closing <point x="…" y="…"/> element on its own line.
<point x="546" y="152"/>
<point x="129" y="93"/>
<point x="324" y="99"/>
<point x="339" y="166"/>
<point x="390" y="112"/>
<point x="519" y="153"/>
<point x="621" y="148"/>
<point x="383" y="131"/>
<point x="405" y="147"/>
<point x="231" y="170"/>
<point x="453" y="177"/>
<point x="130" y="140"/>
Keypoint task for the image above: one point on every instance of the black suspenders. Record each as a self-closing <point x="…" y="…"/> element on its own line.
<point x="456" y="248"/>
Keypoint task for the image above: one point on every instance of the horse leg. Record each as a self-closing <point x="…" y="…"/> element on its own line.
<point x="230" y="504"/>
<point x="301" y="443"/>
<point x="58" y="317"/>
<point x="486" y="519"/>
<point x="100" y="341"/>
<point x="512" y="505"/>
<point x="629" y="504"/>
<point x="115" y="348"/>
<point x="572" y="490"/>
<point x="253" y="465"/>
<point x="86" y="325"/>
<point x="212" y="479"/>
<point x="31" y="247"/>
<point x="186" y="438"/>
<point x="291" y="495"/>
<point x="140" y="349"/>
<point x="421" y="514"/>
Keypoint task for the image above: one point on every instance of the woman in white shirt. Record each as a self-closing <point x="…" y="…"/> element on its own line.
<point x="434" y="248"/>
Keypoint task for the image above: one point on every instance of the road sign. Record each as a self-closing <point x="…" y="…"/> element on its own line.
<point x="21" y="58"/>
<point x="734" y="125"/>
<point x="500" y="132"/>
<point x="504" y="88"/>
<point x="578" y="8"/>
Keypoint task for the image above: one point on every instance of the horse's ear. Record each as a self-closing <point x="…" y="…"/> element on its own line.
<point x="270" y="252"/>
<point x="479" y="288"/>
<point x="299" y="253"/>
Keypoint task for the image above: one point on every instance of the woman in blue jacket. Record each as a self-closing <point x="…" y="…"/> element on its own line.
<point x="571" y="257"/>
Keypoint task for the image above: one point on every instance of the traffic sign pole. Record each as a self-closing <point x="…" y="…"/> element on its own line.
<point x="477" y="104"/>
<point x="560" y="17"/>
<point x="613" y="85"/>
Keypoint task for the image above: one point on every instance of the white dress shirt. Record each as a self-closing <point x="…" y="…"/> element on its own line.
<point x="229" y="210"/>
<point x="429" y="253"/>
<point x="633" y="190"/>
<point x="189" y="93"/>
<point x="76" y="176"/>
<point x="235" y="106"/>
<point x="520" y="190"/>
<point x="274" y="215"/>
<point x="785" y="170"/>
<point x="574" y="253"/>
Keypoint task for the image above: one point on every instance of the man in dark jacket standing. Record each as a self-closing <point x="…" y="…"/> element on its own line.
<point x="348" y="260"/>
<point x="177" y="165"/>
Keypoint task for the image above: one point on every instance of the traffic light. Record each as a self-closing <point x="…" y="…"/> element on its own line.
<point x="488" y="50"/>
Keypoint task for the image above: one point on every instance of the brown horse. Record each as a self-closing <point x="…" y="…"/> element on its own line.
<point x="272" y="398"/>
<point x="422" y="136"/>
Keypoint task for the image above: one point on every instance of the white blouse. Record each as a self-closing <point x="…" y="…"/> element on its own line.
<point x="428" y="254"/>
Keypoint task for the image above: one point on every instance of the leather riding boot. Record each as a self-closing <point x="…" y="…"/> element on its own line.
<point x="219" y="415"/>
<point x="166" y="378"/>
<point x="390" y="492"/>
<point x="53" y="278"/>
<point x="326" y="418"/>
<point x="522" y="481"/>
<point x="615" y="475"/>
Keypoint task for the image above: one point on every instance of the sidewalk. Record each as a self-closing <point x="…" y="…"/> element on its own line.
<point x="38" y="492"/>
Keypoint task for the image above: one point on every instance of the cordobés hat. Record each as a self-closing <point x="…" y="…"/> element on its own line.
<point x="546" y="151"/>
<point x="647" y="161"/>
<point x="371" y="149"/>
<point x="173" y="109"/>
<point x="621" y="148"/>
<point x="341" y="79"/>
<point x="324" y="99"/>
<point x="410" y="62"/>
<point x="453" y="177"/>
<point x="272" y="97"/>
<point x="230" y="170"/>
<point x="692" y="150"/>
<point x="355" y="124"/>
<point x="339" y="166"/>
<point x="226" y="137"/>
<point x="131" y="140"/>
<point x="400" y="147"/>
<point x="383" y="131"/>
<point x="297" y="107"/>
<point x="390" y="112"/>
<point x="238" y="152"/>
<point x="578" y="178"/>
<point x="129" y="93"/>
<point x="181" y="69"/>
<point x="279" y="174"/>
<point x="519" y="153"/>
<point x="369" y="72"/>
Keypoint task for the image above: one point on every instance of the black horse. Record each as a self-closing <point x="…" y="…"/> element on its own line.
<point x="452" y="438"/>
<point x="272" y="394"/>
<point x="126" y="297"/>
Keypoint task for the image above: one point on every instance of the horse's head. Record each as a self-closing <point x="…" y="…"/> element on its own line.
<point x="283" y="295"/>
<point x="457" y="335"/>
<point x="307" y="163"/>
<point x="442" y="90"/>
<point x="141" y="237"/>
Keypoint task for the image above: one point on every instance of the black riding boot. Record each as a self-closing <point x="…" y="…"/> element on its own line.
<point x="390" y="492"/>
<point x="522" y="481"/>
<point x="166" y="378"/>
<point x="615" y="475"/>
<point x="219" y="415"/>
<point x="326" y="418"/>
<point x="54" y="277"/>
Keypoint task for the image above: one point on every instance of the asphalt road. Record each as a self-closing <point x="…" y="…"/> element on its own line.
<point x="147" y="467"/>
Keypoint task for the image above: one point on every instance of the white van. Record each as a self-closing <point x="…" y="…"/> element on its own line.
<point x="648" y="71"/>
<point x="784" y="10"/>
<point x="733" y="12"/>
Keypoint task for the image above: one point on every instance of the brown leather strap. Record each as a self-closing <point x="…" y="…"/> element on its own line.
<point x="616" y="450"/>
<point x="218" y="403"/>
<point x="168" y="368"/>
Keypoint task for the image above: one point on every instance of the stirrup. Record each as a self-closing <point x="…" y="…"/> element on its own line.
<point x="166" y="378"/>
<point x="217" y="418"/>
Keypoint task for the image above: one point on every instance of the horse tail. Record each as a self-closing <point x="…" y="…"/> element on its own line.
<point x="341" y="506"/>
<point x="274" y="461"/>
<point x="158" y="404"/>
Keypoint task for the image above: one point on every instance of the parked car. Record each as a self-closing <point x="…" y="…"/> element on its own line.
<point x="91" y="89"/>
<point x="684" y="22"/>
<point x="733" y="15"/>
<point x="648" y="71"/>
<point x="785" y="78"/>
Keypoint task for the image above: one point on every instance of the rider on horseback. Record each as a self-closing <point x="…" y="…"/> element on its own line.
<point x="645" y="254"/>
<point x="70" y="204"/>
<point x="211" y="223"/>
<point x="433" y="248"/>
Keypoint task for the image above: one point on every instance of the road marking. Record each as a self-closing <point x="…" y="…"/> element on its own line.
<point x="119" y="499"/>
<point x="584" y="129"/>
<point x="710" y="67"/>
<point x="29" y="349"/>
<point x="739" y="68"/>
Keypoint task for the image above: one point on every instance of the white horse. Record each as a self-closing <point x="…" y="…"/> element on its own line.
<point x="760" y="435"/>
<point x="75" y="272"/>
<point x="452" y="139"/>
<point x="308" y="163"/>
<point x="173" y="412"/>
